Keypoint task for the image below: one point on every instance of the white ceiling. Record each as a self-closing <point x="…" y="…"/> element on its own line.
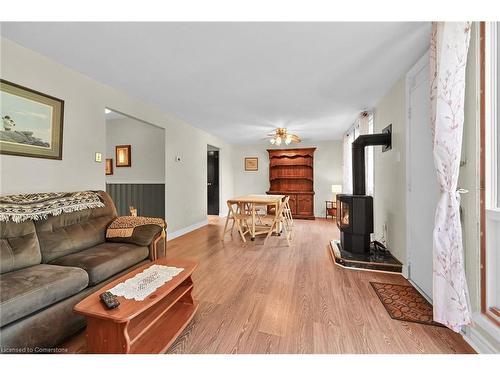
<point x="240" y="80"/>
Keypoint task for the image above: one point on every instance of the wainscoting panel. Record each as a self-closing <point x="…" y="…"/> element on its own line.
<point x="149" y="199"/>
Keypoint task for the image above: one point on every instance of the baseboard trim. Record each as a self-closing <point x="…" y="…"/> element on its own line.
<point x="477" y="342"/>
<point x="404" y="272"/>
<point x="183" y="231"/>
<point x="476" y="339"/>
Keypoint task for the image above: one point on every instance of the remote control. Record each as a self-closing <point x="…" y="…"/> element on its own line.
<point x="110" y="300"/>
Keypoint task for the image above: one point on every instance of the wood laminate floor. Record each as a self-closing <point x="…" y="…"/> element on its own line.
<point x="279" y="299"/>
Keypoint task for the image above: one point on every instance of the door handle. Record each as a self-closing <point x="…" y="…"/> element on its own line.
<point x="209" y="184"/>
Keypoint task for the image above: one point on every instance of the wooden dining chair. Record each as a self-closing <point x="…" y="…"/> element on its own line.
<point x="239" y="217"/>
<point x="260" y="212"/>
<point x="279" y="222"/>
<point x="288" y="214"/>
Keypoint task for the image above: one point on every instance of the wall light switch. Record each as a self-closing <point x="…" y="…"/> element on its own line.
<point x="98" y="157"/>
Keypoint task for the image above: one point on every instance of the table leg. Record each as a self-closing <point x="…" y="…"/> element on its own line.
<point x="239" y="223"/>
<point x="253" y="222"/>
<point x="278" y="227"/>
<point x="106" y="336"/>
<point x="229" y="213"/>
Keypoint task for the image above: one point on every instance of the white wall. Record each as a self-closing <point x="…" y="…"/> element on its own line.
<point x="187" y="180"/>
<point x="147" y="147"/>
<point x="389" y="197"/>
<point x="84" y="134"/>
<point x="327" y="170"/>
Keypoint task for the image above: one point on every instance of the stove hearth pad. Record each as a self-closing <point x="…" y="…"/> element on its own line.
<point x="375" y="260"/>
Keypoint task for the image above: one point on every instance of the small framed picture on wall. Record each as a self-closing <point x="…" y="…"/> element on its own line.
<point x="252" y="164"/>
<point x="109" y="167"/>
<point x="123" y="155"/>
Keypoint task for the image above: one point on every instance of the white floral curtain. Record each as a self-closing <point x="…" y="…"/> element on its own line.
<point x="449" y="45"/>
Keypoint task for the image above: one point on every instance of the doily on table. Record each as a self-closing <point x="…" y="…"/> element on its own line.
<point x="143" y="284"/>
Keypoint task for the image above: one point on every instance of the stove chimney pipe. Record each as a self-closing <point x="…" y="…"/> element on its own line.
<point x="358" y="156"/>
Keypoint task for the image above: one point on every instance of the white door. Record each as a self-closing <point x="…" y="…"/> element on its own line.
<point x="422" y="185"/>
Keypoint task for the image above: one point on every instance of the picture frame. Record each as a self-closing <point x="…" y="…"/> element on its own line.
<point x="123" y="155"/>
<point x="109" y="167"/>
<point x="252" y="164"/>
<point x="32" y="122"/>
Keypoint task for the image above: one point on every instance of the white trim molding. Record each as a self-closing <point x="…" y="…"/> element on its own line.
<point x="410" y="78"/>
<point x="183" y="231"/>
<point x="482" y="335"/>
<point x="491" y="108"/>
<point x="404" y="271"/>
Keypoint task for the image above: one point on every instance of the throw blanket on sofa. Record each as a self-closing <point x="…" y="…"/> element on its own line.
<point x="123" y="226"/>
<point x="38" y="206"/>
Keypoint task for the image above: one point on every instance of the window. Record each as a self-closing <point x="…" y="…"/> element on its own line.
<point x="347" y="162"/>
<point x="490" y="244"/>
<point x="364" y="125"/>
<point x="369" y="159"/>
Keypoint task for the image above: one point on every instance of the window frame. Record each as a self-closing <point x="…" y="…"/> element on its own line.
<point x="489" y="143"/>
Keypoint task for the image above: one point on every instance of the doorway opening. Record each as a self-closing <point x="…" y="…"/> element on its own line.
<point x="212" y="180"/>
<point x="135" y="165"/>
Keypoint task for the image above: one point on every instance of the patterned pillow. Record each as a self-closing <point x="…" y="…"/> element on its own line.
<point x="138" y="230"/>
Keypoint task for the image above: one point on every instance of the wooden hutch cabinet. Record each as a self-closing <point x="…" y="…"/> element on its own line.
<point x="291" y="172"/>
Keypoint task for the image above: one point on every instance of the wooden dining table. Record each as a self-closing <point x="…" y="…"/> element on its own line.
<point x="252" y="201"/>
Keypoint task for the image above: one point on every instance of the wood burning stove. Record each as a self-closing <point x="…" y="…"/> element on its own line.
<point x="355" y="212"/>
<point x="355" y="221"/>
<point x="355" y="216"/>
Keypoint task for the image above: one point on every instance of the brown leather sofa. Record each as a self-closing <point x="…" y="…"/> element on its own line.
<point x="48" y="266"/>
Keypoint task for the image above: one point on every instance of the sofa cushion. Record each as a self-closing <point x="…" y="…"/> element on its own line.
<point x="30" y="289"/>
<point x="142" y="235"/>
<point x="19" y="246"/>
<point x="51" y="326"/>
<point x="71" y="232"/>
<point x="105" y="260"/>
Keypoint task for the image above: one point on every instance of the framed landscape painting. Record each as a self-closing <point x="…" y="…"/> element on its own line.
<point x="252" y="164"/>
<point x="32" y="122"/>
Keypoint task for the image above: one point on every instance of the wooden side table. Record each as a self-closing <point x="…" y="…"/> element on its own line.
<point x="330" y="209"/>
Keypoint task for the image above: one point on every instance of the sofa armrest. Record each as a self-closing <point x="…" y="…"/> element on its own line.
<point x="139" y="231"/>
<point x="158" y="247"/>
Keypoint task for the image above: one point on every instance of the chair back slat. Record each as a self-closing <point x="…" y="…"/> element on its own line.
<point x="282" y="206"/>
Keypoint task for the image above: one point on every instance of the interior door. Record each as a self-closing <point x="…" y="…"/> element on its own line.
<point x="213" y="182"/>
<point x="422" y="189"/>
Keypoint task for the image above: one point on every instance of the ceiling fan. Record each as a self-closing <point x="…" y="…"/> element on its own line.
<point x="281" y="135"/>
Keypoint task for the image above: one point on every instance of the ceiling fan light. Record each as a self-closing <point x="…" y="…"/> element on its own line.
<point x="281" y="136"/>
